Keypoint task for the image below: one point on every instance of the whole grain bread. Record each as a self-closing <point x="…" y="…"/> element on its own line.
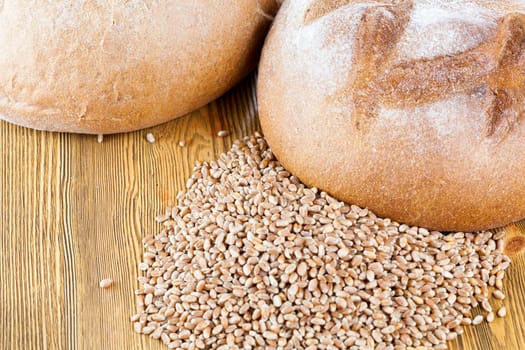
<point x="112" y="66"/>
<point x="412" y="108"/>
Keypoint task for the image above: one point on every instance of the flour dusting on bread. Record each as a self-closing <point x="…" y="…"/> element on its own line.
<point x="419" y="119"/>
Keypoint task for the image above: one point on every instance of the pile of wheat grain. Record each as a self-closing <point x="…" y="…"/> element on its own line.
<point x="251" y="258"/>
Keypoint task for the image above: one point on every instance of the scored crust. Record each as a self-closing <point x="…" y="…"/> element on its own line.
<point x="377" y="122"/>
<point x="488" y="69"/>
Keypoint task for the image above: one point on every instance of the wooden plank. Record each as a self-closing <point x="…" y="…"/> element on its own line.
<point x="73" y="211"/>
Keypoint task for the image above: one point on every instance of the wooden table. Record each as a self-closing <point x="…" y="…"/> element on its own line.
<point x="73" y="211"/>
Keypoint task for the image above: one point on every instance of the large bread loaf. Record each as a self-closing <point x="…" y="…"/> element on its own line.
<point x="412" y="108"/>
<point x="111" y="66"/>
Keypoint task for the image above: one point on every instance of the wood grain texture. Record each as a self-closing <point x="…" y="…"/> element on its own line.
<point x="73" y="212"/>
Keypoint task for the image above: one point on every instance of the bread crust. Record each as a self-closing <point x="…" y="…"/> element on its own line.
<point x="412" y="108"/>
<point x="107" y="67"/>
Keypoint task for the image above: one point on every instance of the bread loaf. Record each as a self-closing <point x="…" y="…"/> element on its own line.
<point x="413" y="108"/>
<point x="112" y="66"/>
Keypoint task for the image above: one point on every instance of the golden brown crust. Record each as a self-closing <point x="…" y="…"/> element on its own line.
<point x="431" y="136"/>
<point x="106" y="67"/>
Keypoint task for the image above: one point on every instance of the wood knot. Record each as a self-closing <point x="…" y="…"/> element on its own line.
<point x="514" y="245"/>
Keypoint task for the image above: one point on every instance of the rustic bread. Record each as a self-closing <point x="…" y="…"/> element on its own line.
<point x="105" y="67"/>
<point x="411" y="108"/>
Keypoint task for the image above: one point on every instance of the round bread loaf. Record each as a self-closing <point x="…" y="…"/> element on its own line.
<point x="411" y="108"/>
<point x="114" y="66"/>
